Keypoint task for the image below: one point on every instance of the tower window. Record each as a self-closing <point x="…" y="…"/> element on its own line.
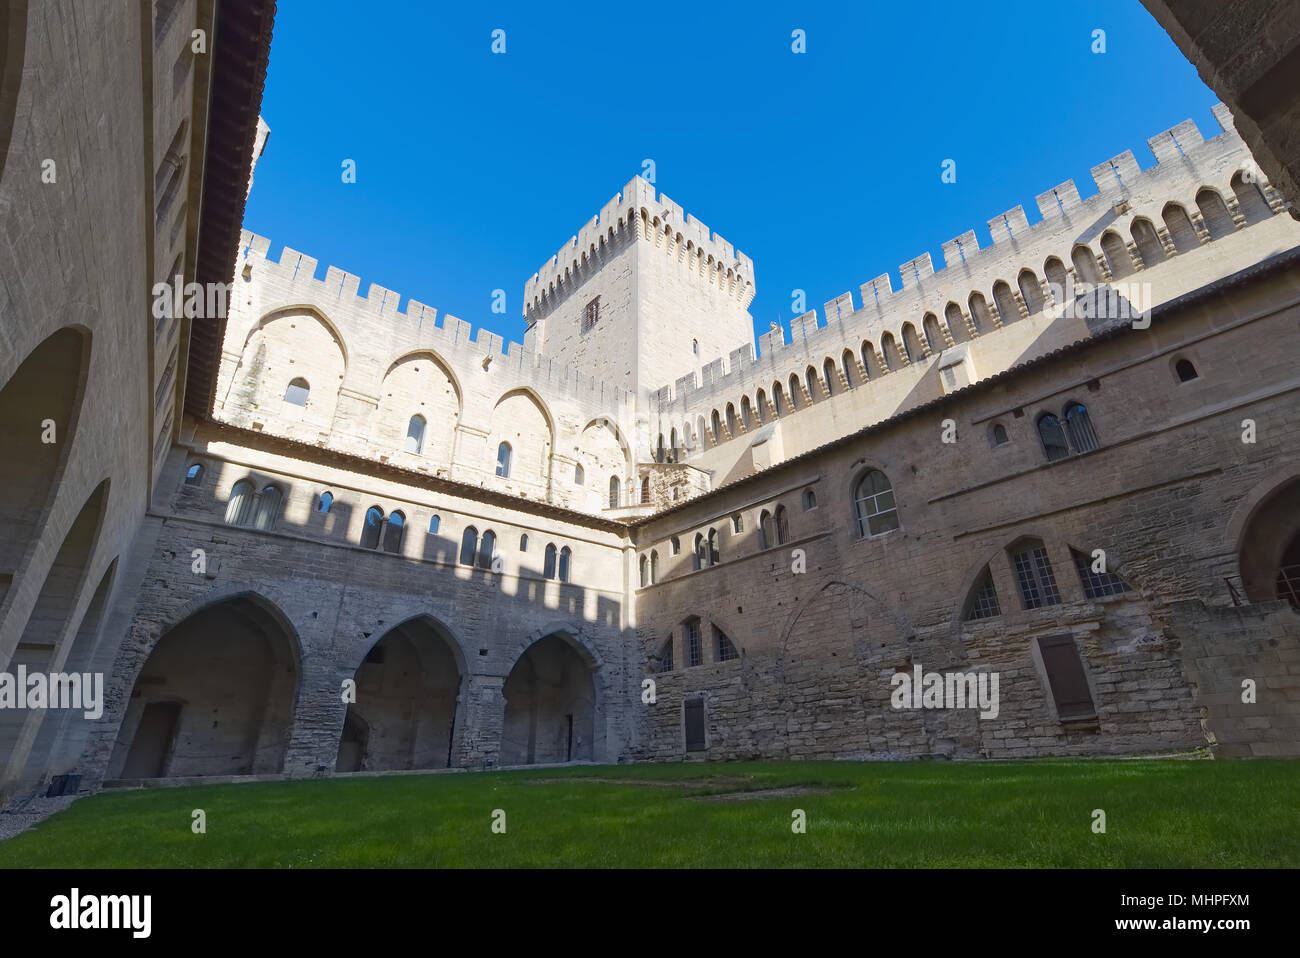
<point x="1186" y="371"/>
<point x="297" y="392"/>
<point x="194" y="475"/>
<point x="592" y="315"/>
<point x="503" y="460"/>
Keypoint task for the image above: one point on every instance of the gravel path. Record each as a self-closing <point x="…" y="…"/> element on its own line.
<point x="16" y="820"/>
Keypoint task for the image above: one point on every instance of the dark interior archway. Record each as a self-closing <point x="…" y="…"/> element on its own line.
<point x="39" y="402"/>
<point x="39" y="647"/>
<point x="229" y="673"/>
<point x="550" y="706"/>
<point x="405" y="713"/>
<point x="1270" y="547"/>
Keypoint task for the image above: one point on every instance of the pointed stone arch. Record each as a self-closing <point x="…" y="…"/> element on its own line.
<point x="47" y="387"/>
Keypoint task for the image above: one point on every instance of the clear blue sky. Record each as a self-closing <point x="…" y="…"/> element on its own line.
<point x="473" y="168"/>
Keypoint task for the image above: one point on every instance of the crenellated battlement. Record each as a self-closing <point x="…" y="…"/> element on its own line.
<point x="1187" y="164"/>
<point x="291" y="282"/>
<point x="635" y="213"/>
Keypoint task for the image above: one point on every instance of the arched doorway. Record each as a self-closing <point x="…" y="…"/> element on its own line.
<point x="215" y="696"/>
<point x="550" y="706"/>
<point x="404" y="716"/>
<point x="1269" y="552"/>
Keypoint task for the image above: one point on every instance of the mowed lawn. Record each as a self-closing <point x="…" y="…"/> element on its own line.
<point x="1159" y="814"/>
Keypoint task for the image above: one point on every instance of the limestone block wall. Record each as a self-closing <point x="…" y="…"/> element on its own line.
<point x="677" y="293"/>
<point x="98" y="196"/>
<point x="371" y="370"/>
<point x="334" y="600"/>
<point x="1168" y="496"/>
<point x="1001" y="305"/>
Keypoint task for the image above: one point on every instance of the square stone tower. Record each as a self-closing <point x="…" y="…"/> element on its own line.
<point x="642" y="296"/>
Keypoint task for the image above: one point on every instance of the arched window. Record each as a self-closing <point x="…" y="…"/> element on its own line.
<point x="1053" y="437"/>
<point x="701" y="557"/>
<point x="695" y="347"/>
<point x="782" y="526"/>
<point x="645" y="571"/>
<point x="578" y="474"/>
<point x="268" y="508"/>
<point x="778" y="399"/>
<point x="809" y="500"/>
<point x="1250" y="200"/>
<point x="766" y="533"/>
<point x="393" y="532"/>
<point x="980" y="316"/>
<point x="933" y="334"/>
<point x="847" y="362"/>
<point x="487" y="549"/>
<point x="1147" y="241"/>
<point x="240" y="504"/>
<point x="912" y="344"/>
<point x="194" y="475"/>
<point x="613" y="492"/>
<point x="666" y="656"/>
<point x="1180" y="228"/>
<point x="523" y="542"/>
<point x="1034" y="575"/>
<point x="1215" y="213"/>
<point x="714" y="556"/>
<point x="468" y="545"/>
<point x="737" y="523"/>
<point x="675" y="544"/>
<point x="503" y="460"/>
<point x="548" y="568"/>
<point x="794" y="391"/>
<point x="1057" y="278"/>
<point x="325" y="502"/>
<point x="1078" y="426"/>
<point x="654" y="567"/>
<point x="726" y="651"/>
<point x="1186" y="371"/>
<point x="415" y="435"/>
<point x="435" y="521"/>
<point x="566" y="558"/>
<point x="1098" y="581"/>
<point x="828" y="374"/>
<point x="998" y="435"/>
<point x="760" y="406"/>
<point x="297" y="392"/>
<point x="732" y="427"/>
<point x="1086" y="269"/>
<point x="982" y="603"/>
<point x="810" y="377"/>
<point x="716" y="422"/>
<point x="1031" y="291"/>
<point x="659" y="449"/>
<point x="373" y="527"/>
<point x="691" y="641"/>
<point x="645" y="491"/>
<point x="1121" y="264"/>
<point x="1008" y="308"/>
<point x="873" y="499"/>
<point x="889" y="352"/>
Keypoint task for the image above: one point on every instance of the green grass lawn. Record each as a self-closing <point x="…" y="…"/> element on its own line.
<point x="1159" y="814"/>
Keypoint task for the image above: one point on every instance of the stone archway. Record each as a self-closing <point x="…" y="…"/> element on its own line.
<point x="550" y="705"/>
<point x="1269" y="548"/>
<point x="407" y="689"/>
<point x="215" y="697"/>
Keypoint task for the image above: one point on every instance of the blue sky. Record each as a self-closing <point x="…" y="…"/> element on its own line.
<point x="824" y="167"/>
